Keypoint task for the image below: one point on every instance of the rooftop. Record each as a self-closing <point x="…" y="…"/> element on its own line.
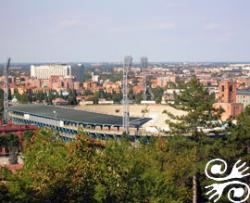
<point x="79" y="116"/>
<point x="243" y="91"/>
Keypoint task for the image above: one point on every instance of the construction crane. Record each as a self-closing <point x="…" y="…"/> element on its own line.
<point x="6" y="92"/>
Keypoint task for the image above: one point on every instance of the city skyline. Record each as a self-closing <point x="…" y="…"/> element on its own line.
<point x="95" y="31"/>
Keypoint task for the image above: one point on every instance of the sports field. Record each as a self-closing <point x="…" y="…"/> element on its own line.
<point x="154" y="111"/>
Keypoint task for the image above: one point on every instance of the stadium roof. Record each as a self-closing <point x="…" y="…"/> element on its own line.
<point x="78" y="116"/>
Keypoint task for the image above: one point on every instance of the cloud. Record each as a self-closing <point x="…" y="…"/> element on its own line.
<point x="174" y="5"/>
<point x="161" y="25"/>
<point x="151" y="26"/>
<point x="211" y="26"/>
<point x="226" y="36"/>
<point x="71" y="23"/>
<point x="121" y="29"/>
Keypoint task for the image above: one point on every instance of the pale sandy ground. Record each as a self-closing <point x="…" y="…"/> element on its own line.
<point x="4" y="160"/>
<point x="155" y="111"/>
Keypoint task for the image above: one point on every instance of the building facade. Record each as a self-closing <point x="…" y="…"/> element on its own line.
<point x="243" y="97"/>
<point x="227" y="91"/>
<point x="227" y="100"/>
<point x="46" y="71"/>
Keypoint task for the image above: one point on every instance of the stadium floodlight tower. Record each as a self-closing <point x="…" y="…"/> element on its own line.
<point x="6" y="92"/>
<point x="144" y="65"/>
<point x="128" y="60"/>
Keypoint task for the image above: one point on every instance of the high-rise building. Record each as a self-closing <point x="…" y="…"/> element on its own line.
<point x="77" y="71"/>
<point x="144" y="62"/>
<point x="128" y="60"/>
<point x="46" y="71"/>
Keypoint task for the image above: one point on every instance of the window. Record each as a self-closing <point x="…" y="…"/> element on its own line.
<point x="230" y="88"/>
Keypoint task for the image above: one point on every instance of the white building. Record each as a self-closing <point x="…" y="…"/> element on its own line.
<point x="95" y="78"/>
<point x="45" y="71"/>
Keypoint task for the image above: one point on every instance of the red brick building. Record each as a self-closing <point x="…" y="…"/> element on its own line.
<point x="227" y="100"/>
<point x="18" y="130"/>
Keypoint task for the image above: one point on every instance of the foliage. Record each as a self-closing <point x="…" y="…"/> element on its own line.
<point x="114" y="77"/>
<point x="138" y="98"/>
<point x="119" y="171"/>
<point x="158" y="92"/>
<point x="78" y="171"/>
<point x="171" y="85"/>
<point x="82" y="171"/>
<point x="22" y="98"/>
<point x="196" y="101"/>
<point x="238" y="138"/>
<point x="72" y="97"/>
<point x="9" y="140"/>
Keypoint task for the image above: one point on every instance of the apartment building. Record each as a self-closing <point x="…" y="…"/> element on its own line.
<point x="46" y="71"/>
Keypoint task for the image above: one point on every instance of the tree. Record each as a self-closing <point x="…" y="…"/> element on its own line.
<point x="4" y="193"/>
<point x="116" y="97"/>
<point x="236" y="144"/>
<point x="199" y="115"/>
<point x="9" y="95"/>
<point x="23" y="98"/>
<point x="9" y="141"/>
<point x="158" y="92"/>
<point x="138" y="98"/>
<point x="87" y="170"/>
<point x="168" y="169"/>
<point x="238" y="138"/>
<point x="72" y="97"/>
<point x="41" y="155"/>
<point x="96" y="97"/>
<point x="54" y="171"/>
<point x="171" y="85"/>
<point x="131" y="95"/>
<point x="121" y="174"/>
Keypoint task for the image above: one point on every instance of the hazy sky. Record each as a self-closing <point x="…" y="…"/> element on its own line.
<point x="107" y="30"/>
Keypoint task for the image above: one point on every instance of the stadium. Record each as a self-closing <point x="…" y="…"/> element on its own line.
<point x="68" y="121"/>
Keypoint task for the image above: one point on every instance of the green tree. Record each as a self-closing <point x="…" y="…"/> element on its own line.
<point x="121" y="174"/>
<point x="87" y="170"/>
<point x="117" y="97"/>
<point x="170" y="169"/>
<point x="54" y="171"/>
<point x="23" y="98"/>
<point x="43" y="172"/>
<point x="131" y="95"/>
<point x="72" y="97"/>
<point x="199" y="115"/>
<point x="171" y="85"/>
<point x="238" y="138"/>
<point x="96" y="97"/>
<point x="158" y="92"/>
<point x="138" y="98"/>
